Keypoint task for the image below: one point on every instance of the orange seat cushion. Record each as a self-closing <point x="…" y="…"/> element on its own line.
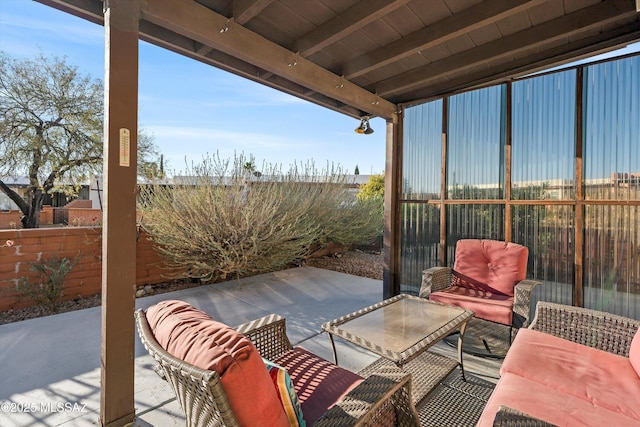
<point x="194" y="337"/>
<point x="490" y="265"/>
<point x="598" y="377"/>
<point x="319" y="384"/>
<point x="486" y="305"/>
<point x="548" y="404"/>
<point x="634" y="352"/>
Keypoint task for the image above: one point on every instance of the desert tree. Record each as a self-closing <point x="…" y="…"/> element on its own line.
<point x="51" y="128"/>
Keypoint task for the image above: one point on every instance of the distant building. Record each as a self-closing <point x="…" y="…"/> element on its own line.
<point x="19" y="184"/>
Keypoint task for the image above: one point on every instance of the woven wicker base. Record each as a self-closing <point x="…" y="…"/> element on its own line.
<point x="455" y="402"/>
<point x="427" y="371"/>
<point x="483" y="338"/>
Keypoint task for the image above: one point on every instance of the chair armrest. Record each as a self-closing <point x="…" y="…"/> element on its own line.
<point x="597" y="329"/>
<point x="268" y="334"/>
<point x="382" y="397"/>
<point x="522" y="302"/>
<point x="435" y="279"/>
<point x="508" y="417"/>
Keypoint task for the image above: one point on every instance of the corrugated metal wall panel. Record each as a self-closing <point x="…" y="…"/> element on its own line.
<point x="548" y="233"/>
<point x="422" y="152"/>
<point x="612" y="130"/>
<point x="612" y="259"/>
<point x="544" y="112"/>
<point x="420" y="248"/>
<point x="473" y="222"/>
<point x="475" y="149"/>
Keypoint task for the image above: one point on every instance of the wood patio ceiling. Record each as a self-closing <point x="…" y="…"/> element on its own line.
<point x="364" y="57"/>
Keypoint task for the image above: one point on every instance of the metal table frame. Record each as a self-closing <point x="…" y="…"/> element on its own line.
<point x="400" y="358"/>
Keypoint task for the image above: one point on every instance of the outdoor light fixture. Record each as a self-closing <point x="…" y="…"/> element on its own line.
<point x="364" y="127"/>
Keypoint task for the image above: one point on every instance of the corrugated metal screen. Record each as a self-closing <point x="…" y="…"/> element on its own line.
<point x="545" y="211"/>
<point x="612" y="172"/>
<point x="475" y="148"/>
<point x="420" y="247"/>
<point x="422" y="165"/>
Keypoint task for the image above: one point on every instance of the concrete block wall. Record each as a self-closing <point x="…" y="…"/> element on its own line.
<point x="11" y="219"/>
<point x="84" y="216"/>
<point x="85" y="279"/>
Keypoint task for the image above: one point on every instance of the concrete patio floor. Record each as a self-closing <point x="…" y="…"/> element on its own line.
<point x="50" y="366"/>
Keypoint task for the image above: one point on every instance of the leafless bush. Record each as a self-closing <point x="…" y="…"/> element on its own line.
<point x="227" y="219"/>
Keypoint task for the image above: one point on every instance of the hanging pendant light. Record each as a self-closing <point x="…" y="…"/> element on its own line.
<point x="365" y="127"/>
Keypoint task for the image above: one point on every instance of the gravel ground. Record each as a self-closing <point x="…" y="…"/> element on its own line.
<point x="358" y="263"/>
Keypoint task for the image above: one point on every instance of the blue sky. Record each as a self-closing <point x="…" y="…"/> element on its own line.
<point x="193" y="109"/>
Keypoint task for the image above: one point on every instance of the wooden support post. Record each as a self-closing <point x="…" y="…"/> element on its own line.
<point x="443" y="181"/>
<point x="508" y="208"/>
<point x="392" y="192"/>
<point x="121" y="20"/>
<point x="578" y="263"/>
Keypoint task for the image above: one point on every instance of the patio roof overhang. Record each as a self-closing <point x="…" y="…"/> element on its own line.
<point x="357" y="57"/>
<point x="364" y="57"/>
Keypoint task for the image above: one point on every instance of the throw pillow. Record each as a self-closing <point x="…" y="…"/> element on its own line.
<point x="286" y="392"/>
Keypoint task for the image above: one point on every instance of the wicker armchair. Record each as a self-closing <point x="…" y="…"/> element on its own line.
<point x="488" y="278"/>
<point x="380" y="399"/>
<point x="438" y="278"/>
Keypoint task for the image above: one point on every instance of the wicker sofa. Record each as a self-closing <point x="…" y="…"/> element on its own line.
<point x="210" y="398"/>
<point x="571" y="367"/>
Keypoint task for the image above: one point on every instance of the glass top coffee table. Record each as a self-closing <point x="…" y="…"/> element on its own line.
<point x="401" y="329"/>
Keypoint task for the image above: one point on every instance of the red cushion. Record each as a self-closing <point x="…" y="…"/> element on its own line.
<point x="319" y="384"/>
<point x="486" y="305"/>
<point x="491" y="264"/>
<point x="548" y="404"/>
<point x="634" y="352"/>
<point x="191" y="335"/>
<point x="595" y="376"/>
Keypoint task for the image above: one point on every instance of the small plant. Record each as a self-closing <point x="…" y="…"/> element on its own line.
<point x="48" y="290"/>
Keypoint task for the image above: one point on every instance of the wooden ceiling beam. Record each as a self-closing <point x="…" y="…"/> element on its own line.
<point x="477" y="16"/>
<point x="349" y="21"/>
<point x="245" y="10"/>
<point x="166" y="39"/>
<point x="203" y="49"/>
<point x="91" y="10"/>
<point x="205" y="26"/>
<point x="559" y="28"/>
<point x="583" y="48"/>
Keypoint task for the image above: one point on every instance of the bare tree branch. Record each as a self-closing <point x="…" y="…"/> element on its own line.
<point x="15" y="197"/>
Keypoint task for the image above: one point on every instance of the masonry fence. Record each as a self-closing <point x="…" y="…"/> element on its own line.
<point x="85" y="279"/>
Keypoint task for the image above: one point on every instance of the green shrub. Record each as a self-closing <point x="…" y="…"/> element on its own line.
<point x="223" y="222"/>
<point x="49" y="288"/>
<point x="374" y="188"/>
